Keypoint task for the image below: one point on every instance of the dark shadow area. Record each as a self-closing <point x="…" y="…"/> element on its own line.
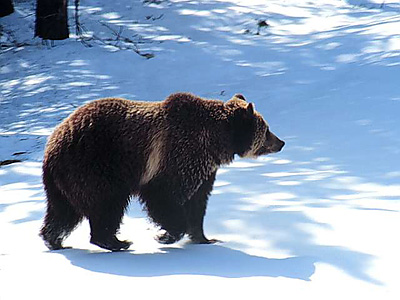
<point x="383" y="6"/>
<point x="209" y="260"/>
<point x="20" y="184"/>
<point x="272" y="200"/>
<point x="33" y="216"/>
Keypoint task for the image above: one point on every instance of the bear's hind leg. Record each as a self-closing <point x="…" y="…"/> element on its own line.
<point x="195" y="209"/>
<point x="105" y="221"/>
<point x="60" y="219"/>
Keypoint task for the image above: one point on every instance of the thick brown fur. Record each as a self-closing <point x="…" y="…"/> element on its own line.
<point x="166" y="153"/>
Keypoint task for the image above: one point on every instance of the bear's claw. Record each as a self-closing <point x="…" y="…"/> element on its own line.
<point x="113" y="245"/>
<point x="167" y="238"/>
<point x="205" y="241"/>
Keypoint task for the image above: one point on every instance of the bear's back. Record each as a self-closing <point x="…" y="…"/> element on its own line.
<point x="107" y="120"/>
<point x="104" y="138"/>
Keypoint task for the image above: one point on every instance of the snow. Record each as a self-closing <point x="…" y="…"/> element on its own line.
<point x="317" y="221"/>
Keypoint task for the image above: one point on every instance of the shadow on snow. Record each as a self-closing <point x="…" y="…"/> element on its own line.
<point x="210" y="260"/>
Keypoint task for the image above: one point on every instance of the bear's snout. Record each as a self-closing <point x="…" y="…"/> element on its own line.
<point x="274" y="144"/>
<point x="278" y="146"/>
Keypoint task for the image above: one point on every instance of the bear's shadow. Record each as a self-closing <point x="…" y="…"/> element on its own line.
<point x="211" y="260"/>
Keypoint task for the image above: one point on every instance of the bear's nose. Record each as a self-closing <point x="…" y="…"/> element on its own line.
<point x="278" y="146"/>
<point x="283" y="144"/>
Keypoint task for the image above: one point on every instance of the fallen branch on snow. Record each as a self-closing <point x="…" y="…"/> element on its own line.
<point x="119" y="41"/>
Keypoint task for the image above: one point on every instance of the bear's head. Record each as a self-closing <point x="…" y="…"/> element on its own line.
<point x="251" y="136"/>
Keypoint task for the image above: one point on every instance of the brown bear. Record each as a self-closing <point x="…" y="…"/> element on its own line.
<point x="165" y="153"/>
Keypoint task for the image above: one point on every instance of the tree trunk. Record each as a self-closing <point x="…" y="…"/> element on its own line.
<point x="78" y="28"/>
<point x="52" y="19"/>
<point x="6" y="8"/>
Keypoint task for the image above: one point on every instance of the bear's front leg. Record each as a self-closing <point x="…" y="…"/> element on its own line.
<point x="195" y="209"/>
<point x="164" y="207"/>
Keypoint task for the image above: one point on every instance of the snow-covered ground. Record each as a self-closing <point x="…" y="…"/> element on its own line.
<point x="320" y="220"/>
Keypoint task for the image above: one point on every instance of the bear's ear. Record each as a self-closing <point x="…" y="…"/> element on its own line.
<point x="239" y="96"/>
<point x="250" y="109"/>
